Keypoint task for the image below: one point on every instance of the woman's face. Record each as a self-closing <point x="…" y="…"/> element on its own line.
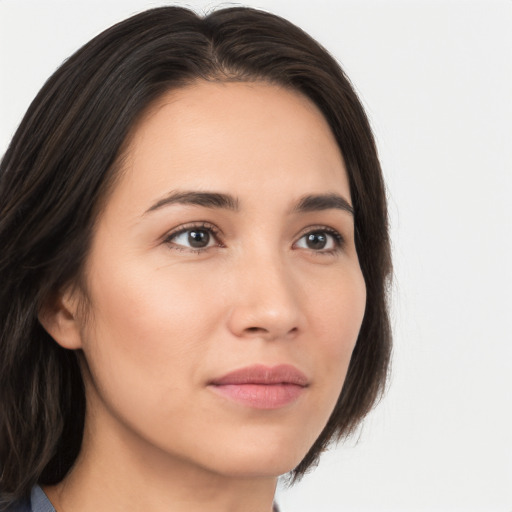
<point x="227" y="244"/>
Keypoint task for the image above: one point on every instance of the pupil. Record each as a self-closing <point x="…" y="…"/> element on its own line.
<point x="198" y="239"/>
<point x="316" y="240"/>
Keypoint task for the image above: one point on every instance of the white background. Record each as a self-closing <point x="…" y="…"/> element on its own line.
<point x="436" y="79"/>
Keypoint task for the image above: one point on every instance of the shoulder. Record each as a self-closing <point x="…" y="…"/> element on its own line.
<point x="38" y="502"/>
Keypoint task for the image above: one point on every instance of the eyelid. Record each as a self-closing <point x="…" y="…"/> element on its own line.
<point x="339" y="239"/>
<point x="201" y="225"/>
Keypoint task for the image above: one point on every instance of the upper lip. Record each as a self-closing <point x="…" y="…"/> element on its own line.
<point x="261" y="374"/>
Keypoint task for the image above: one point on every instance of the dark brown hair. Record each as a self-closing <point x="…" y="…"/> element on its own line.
<point x="61" y="163"/>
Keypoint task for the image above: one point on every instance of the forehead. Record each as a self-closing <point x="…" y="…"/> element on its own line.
<point x="237" y="136"/>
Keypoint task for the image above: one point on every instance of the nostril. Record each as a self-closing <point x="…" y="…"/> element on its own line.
<point x="256" y="329"/>
<point x="261" y="331"/>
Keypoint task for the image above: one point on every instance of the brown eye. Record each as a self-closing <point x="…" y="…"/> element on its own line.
<point x="320" y="240"/>
<point x="193" y="238"/>
<point x="316" y="241"/>
<point x="198" y="238"/>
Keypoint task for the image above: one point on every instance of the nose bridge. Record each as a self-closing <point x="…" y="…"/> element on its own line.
<point x="265" y="301"/>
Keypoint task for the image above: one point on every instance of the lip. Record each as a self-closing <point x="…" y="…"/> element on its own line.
<point x="262" y="387"/>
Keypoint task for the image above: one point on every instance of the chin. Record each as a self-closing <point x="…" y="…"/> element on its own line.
<point x="261" y="457"/>
<point x="256" y="468"/>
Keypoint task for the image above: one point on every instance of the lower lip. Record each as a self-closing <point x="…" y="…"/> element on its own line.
<point x="261" y="396"/>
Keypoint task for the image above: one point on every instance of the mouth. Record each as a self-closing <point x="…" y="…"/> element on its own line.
<point x="262" y="387"/>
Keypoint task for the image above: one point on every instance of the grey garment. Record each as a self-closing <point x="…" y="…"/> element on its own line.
<point x="39" y="501"/>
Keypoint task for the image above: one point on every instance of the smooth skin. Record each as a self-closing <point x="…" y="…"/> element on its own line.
<point x="181" y="293"/>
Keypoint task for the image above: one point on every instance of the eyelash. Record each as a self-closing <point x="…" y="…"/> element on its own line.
<point x="201" y="226"/>
<point x="338" y="239"/>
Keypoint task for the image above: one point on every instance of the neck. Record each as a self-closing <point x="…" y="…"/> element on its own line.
<point x="119" y="473"/>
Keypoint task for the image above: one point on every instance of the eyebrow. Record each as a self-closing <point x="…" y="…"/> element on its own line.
<point x="316" y="202"/>
<point x="205" y="199"/>
<point x="218" y="200"/>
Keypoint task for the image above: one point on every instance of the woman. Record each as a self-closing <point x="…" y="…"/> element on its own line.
<point x="194" y="267"/>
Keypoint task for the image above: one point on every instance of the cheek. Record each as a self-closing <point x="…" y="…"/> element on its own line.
<point x="338" y="315"/>
<point x="143" y="323"/>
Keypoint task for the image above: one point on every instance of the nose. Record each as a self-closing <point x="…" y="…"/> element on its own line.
<point x="265" y="300"/>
